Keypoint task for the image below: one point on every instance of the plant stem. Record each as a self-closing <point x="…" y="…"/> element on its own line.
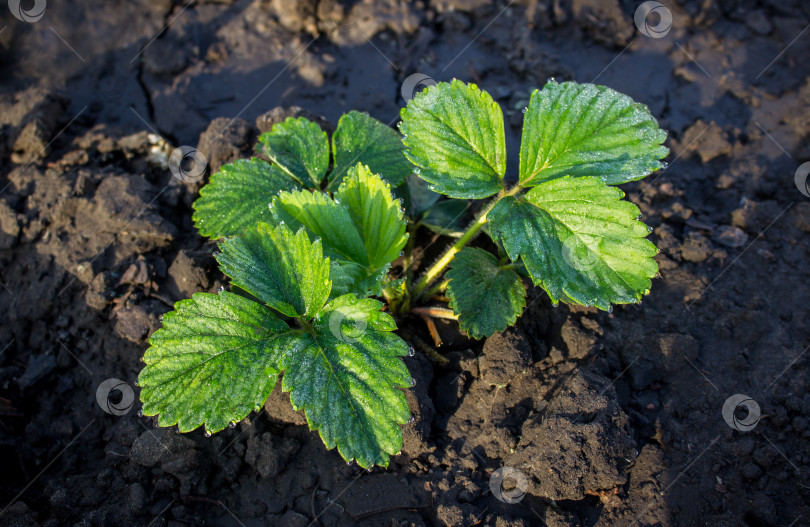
<point x="435" y="312"/>
<point x="441" y="264"/>
<point x="434" y="332"/>
<point x="409" y="252"/>
<point x="438" y="288"/>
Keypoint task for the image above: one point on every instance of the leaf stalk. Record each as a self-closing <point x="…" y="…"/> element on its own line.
<point x="435" y="312"/>
<point x="472" y="231"/>
<point x="438" y="288"/>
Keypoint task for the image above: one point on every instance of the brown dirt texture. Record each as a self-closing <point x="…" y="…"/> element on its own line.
<point x="592" y="419"/>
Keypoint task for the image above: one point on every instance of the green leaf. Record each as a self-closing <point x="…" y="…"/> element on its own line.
<point x="351" y="277"/>
<point x="300" y="148"/>
<point x="237" y="197"/>
<point x="454" y="134"/>
<point x="342" y="244"/>
<point x="211" y="362"/>
<point x="286" y="271"/>
<point x="362" y="228"/>
<point x="378" y="216"/>
<point x="346" y="376"/>
<point x="579" y="240"/>
<point x="446" y="217"/>
<point x="576" y="130"/>
<point x="360" y="138"/>
<point x="325" y="219"/>
<point x="486" y="296"/>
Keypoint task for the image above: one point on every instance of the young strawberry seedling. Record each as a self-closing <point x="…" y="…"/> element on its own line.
<point x="308" y="248"/>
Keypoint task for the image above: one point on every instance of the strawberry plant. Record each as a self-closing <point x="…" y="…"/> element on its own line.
<point x="309" y="235"/>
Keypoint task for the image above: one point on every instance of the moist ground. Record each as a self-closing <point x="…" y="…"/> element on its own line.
<point x="614" y="419"/>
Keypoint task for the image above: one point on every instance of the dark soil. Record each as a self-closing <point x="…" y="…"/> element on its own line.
<point x="612" y="419"/>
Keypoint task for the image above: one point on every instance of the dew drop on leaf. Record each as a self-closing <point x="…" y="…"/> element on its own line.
<point x="231" y="425"/>
<point x="524" y="110"/>
<point x="207" y="433"/>
<point x="411" y="351"/>
<point x="221" y="288"/>
<point x="413" y="382"/>
<point x="610" y="309"/>
<point x="140" y="412"/>
<point x="411" y="420"/>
